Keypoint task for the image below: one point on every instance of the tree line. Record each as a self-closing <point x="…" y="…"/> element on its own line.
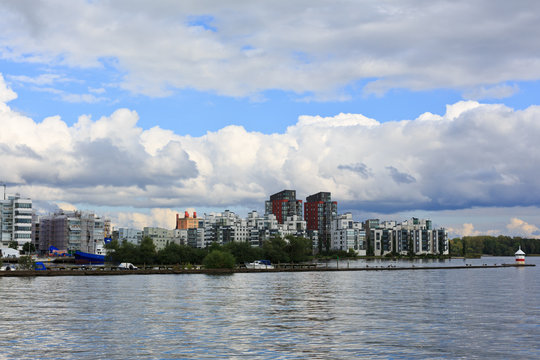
<point x="276" y="249"/>
<point x="491" y="245"/>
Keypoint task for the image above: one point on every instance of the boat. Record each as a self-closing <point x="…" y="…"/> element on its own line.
<point x="260" y="264"/>
<point x="89" y="258"/>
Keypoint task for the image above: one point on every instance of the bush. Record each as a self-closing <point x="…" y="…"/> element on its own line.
<point x="218" y="259"/>
<point x="26" y="263"/>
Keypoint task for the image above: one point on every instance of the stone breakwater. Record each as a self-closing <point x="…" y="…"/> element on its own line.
<point x="173" y="271"/>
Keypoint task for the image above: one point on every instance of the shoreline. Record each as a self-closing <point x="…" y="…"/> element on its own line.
<point x="103" y="272"/>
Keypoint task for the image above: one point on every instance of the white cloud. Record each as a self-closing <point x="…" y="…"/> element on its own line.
<point x="164" y="218"/>
<point x="312" y="49"/>
<point x="468" y="229"/>
<point x="43" y="79"/>
<point x="473" y="155"/>
<point x="523" y="228"/>
<point x="66" y="206"/>
<point x="492" y="92"/>
<point x="6" y="94"/>
<point x="82" y="98"/>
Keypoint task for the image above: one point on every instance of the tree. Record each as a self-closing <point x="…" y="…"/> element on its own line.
<point x="275" y="250"/>
<point x="243" y="252"/>
<point x="26" y="263"/>
<point x="29" y="248"/>
<point x="13" y="244"/>
<point x="218" y="259"/>
<point x="147" y="251"/>
<point x="298" y="248"/>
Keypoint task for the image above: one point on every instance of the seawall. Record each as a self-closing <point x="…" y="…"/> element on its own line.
<point x="172" y="271"/>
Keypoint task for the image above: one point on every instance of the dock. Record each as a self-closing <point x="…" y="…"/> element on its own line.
<point x="171" y="270"/>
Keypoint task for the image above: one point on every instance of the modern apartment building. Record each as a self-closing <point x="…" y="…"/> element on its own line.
<point x="15" y="220"/>
<point x="347" y="234"/>
<point x="319" y="211"/>
<point x="284" y="204"/>
<point x="413" y="236"/>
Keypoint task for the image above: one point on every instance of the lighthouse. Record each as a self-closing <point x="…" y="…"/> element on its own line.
<point x="520" y="257"/>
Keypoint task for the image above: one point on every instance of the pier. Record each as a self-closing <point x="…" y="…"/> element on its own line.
<point x="171" y="270"/>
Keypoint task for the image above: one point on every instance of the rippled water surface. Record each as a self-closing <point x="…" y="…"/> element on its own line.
<point x="468" y="313"/>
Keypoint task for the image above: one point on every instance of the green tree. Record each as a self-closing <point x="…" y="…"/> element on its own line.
<point x="147" y="251"/>
<point x="218" y="259"/>
<point x="275" y="250"/>
<point x="29" y="248"/>
<point x="298" y="248"/>
<point x="13" y="245"/>
<point x="126" y="252"/>
<point x="26" y="263"/>
<point x="181" y="254"/>
<point x="456" y="247"/>
<point x="243" y="252"/>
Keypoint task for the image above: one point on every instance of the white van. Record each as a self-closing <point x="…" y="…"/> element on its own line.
<point x="127" y="266"/>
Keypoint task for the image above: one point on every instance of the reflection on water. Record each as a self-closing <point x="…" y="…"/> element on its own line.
<point x="476" y="313"/>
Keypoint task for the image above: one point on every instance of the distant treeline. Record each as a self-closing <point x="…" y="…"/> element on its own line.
<point x="491" y="245"/>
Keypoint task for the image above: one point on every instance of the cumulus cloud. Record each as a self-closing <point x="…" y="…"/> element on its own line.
<point x="164" y="218"/>
<point x="6" y="94"/>
<point x="523" y="228"/>
<point x="312" y="49"/>
<point x="473" y="155"/>
<point x="468" y="229"/>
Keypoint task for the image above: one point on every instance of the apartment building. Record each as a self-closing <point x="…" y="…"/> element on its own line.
<point x="15" y="220"/>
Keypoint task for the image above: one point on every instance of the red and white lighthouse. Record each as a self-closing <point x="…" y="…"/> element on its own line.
<point x="520" y="257"/>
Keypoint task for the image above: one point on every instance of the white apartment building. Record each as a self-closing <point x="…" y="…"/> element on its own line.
<point x="15" y="220"/>
<point x="347" y="234"/>
<point x="413" y="235"/>
<point x="133" y="236"/>
<point x="160" y="236"/>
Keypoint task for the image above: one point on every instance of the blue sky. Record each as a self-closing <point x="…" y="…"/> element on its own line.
<point x="398" y="109"/>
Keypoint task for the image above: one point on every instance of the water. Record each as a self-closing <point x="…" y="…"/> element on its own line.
<point x="469" y="313"/>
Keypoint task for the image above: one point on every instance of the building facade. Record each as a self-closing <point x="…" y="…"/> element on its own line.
<point x="348" y="235"/>
<point x="187" y="222"/>
<point x="72" y="231"/>
<point x="319" y="211"/>
<point x="130" y="235"/>
<point x="411" y="237"/>
<point x="284" y="204"/>
<point x="15" y="220"/>
<point x="160" y="236"/>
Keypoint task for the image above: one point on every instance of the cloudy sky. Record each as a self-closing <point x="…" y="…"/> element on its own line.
<point x="138" y="110"/>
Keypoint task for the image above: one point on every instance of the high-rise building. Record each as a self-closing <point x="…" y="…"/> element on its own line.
<point x="15" y="220"/>
<point x="284" y="204"/>
<point x="319" y="211"/>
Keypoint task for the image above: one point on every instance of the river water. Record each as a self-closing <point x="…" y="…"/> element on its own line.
<point x="437" y="314"/>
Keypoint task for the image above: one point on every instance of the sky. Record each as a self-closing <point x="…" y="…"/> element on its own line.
<point x="139" y="110"/>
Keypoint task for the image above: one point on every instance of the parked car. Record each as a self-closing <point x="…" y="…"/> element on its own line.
<point x="8" y="267"/>
<point x="127" y="266"/>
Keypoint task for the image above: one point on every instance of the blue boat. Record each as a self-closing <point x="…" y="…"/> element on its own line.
<point x="88" y="258"/>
